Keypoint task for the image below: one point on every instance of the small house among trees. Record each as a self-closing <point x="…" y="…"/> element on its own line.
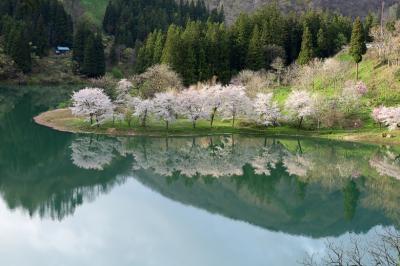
<point x="62" y="50"/>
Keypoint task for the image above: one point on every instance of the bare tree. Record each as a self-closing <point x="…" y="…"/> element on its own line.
<point x="385" y="251"/>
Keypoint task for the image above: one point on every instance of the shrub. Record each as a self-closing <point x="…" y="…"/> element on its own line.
<point x="117" y="73"/>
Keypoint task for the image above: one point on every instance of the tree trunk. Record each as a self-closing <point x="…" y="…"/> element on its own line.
<point x="167" y="125"/>
<point x="356" y="71"/>
<point x="212" y="117"/>
<point x="233" y="121"/>
<point x="144" y="119"/>
<point x="194" y="124"/>
<point x="91" y="119"/>
<point x="301" y="122"/>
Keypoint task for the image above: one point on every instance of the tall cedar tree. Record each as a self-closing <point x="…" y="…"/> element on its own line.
<point x="80" y="38"/>
<point x="307" y="50"/>
<point x="255" y="51"/>
<point x="357" y="44"/>
<point x="170" y="55"/>
<point x="94" y="59"/>
<point x="21" y="51"/>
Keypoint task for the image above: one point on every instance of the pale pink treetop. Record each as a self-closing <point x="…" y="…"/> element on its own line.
<point x="300" y="104"/>
<point x="267" y="111"/>
<point x="92" y="103"/>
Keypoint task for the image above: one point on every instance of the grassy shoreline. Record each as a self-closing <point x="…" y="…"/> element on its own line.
<point x="63" y="120"/>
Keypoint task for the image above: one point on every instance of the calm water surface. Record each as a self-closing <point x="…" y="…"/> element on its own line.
<point x="222" y="200"/>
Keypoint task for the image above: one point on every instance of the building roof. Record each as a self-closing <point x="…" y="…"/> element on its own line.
<point x="62" y="48"/>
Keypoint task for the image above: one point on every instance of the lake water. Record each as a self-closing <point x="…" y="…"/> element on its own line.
<point x="223" y="200"/>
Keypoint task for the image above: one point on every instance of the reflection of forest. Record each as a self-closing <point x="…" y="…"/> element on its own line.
<point x="307" y="184"/>
<point x="36" y="172"/>
<point x="310" y="187"/>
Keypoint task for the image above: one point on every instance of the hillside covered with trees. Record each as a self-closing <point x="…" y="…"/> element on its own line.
<point x="28" y="27"/>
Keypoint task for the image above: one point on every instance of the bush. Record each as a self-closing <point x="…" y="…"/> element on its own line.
<point x="117" y="73"/>
<point x="158" y="78"/>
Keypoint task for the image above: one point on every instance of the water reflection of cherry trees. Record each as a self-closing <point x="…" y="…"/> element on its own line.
<point x="224" y="156"/>
<point x="365" y="175"/>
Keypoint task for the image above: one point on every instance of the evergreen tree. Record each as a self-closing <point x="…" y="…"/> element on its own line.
<point x="100" y="56"/>
<point x="170" y="55"/>
<point x="322" y="43"/>
<point x="80" y="38"/>
<point x="357" y="44"/>
<point x="307" y="50"/>
<point x="21" y="51"/>
<point x="158" y="47"/>
<point x="188" y="67"/>
<point x="223" y="69"/>
<point x="241" y="32"/>
<point x="113" y="54"/>
<point x="94" y="59"/>
<point x="369" y="23"/>
<point x="40" y="38"/>
<point x="255" y="59"/>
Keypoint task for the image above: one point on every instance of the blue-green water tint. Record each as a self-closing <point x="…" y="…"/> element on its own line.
<point x="222" y="200"/>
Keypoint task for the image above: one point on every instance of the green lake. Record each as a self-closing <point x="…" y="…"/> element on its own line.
<point x="215" y="200"/>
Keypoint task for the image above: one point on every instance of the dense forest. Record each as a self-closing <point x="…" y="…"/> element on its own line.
<point x="194" y="40"/>
<point x="33" y="27"/>
<point x="200" y="50"/>
<point x="131" y="20"/>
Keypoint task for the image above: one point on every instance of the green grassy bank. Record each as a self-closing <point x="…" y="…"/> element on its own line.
<point x="63" y="120"/>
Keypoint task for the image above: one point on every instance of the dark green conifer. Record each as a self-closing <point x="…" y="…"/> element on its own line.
<point x="255" y="59"/>
<point x="357" y="44"/>
<point x="307" y="50"/>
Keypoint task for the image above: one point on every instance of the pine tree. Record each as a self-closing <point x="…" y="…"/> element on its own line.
<point x="223" y="68"/>
<point x="357" y="44"/>
<point x="113" y="54"/>
<point x="255" y="60"/>
<point x="21" y="51"/>
<point x="89" y="61"/>
<point x="322" y="43"/>
<point x="188" y="66"/>
<point x="80" y="38"/>
<point x="170" y="55"/>
<point x="158" y="47"/>
<point x="94" y="59"/>
<point x="40" y="37"/>
<point x="307" y="50"/>
<point x="100" y="56"/>
<point x="369" y="23"/>
<point x="241" y="33"/>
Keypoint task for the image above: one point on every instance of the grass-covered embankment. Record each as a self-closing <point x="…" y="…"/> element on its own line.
<point x="63" y="120"/>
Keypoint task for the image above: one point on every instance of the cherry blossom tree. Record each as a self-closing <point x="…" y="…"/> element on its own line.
<point x="213" y="100"/>
<point x="235" y="102"/>
<point x="300" y="105"/>
<point x="390" y="116"/>
<point x="192" y="104"/>
<point x="377" y="115"/>
<point x="92" y="103"/>
<point x="350" y="98"/>
<point x="122" y="90"/>
<point x="266" y="109"/>
<point x="142" y="109"/>
<point x="164" y="107"/>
